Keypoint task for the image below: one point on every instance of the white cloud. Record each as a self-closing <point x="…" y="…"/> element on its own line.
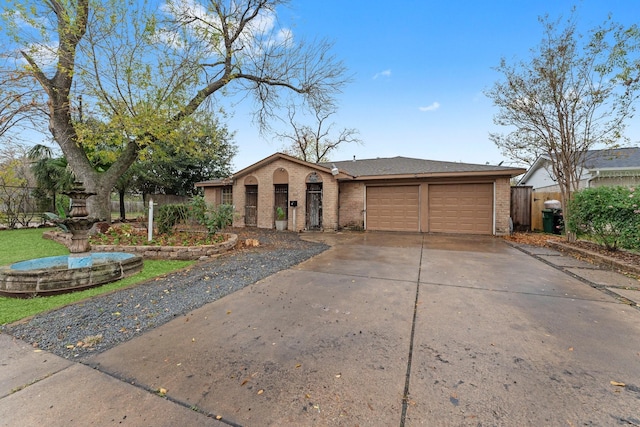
<point x="385" y="73"/>
<point x="432" y="107"/>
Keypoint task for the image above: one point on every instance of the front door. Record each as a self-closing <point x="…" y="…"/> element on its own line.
<point x="281" y="199"/>
<point x="314" y="206"/>
<point x="251" y="206"/>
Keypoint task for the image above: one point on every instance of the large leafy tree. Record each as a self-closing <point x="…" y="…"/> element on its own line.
<point x="169" y="170"/>
<point x="199" y="149"/>
<point x="145" y="70"/>
<point x="575" y="92"/>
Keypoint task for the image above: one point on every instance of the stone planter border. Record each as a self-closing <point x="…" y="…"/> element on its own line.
<point x="173" y="252"/>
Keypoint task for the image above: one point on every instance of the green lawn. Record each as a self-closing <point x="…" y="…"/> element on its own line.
<point x="19" y="245"/>
<point x="23" y="244"/>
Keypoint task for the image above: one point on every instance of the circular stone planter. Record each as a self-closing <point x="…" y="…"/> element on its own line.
<point x="52" y="275"/>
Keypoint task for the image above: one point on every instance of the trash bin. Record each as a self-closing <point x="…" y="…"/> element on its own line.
<point x="558" y="221"/>
<point x="547" y="220"/>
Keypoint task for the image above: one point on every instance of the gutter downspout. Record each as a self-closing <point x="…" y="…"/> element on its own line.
<point x="592" y="178"/>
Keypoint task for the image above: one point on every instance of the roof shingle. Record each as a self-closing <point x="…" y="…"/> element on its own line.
<point x="406" y="165"/>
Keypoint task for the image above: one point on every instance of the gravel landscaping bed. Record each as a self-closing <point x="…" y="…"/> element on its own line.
<point x="97" y="324"/>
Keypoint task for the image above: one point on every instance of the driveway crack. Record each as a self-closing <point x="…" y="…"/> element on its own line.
<point x="405" y="394"/>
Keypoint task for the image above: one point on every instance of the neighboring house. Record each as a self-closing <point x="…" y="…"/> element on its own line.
<point x="610" y="167"/>
<point x="391" y="194"/>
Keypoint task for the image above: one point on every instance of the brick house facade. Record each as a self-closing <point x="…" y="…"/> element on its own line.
<point x="395" y="194"/>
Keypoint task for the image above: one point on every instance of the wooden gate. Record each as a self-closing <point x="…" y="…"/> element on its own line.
<point x="537" y="204"/>
<point x="314" y="206"/>
<point x="251" y="206"/>
<point x="521" y="208"/>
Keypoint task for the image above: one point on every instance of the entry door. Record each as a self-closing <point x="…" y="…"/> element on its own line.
<point x="281" y="199"/>
<point x="314" y="206"/>
<point x="251" y="206"/>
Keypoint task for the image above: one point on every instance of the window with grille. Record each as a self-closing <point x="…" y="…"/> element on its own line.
<point x="227" y="195"/>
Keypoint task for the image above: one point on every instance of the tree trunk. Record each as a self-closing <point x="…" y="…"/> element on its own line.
<point x="122" y="209"/>
<point x="565" y="195"/>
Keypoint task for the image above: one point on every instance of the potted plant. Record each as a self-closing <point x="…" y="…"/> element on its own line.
<point x="281" y="219"/>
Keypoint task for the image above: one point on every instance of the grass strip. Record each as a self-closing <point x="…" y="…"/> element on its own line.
<point x="13" y="309"/>
<point x="27" y="243"/>
<point x="24" y="244"/>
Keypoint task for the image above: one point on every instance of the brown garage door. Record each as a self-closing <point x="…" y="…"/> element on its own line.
<point x="393" y="208"/>
<point x="461" y="208"/>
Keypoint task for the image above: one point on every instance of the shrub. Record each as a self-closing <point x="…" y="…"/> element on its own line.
<point x="609" y="215"/>
<point x="170" y="215"/>
<point x="195" y="211"/>
<point x="216" y="220"/>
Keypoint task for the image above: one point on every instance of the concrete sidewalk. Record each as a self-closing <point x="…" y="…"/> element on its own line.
<point x="383" y="329"/>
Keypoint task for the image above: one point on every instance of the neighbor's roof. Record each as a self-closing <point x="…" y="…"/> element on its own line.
<point x="611" y="158"/>
<point x="394" y="166"/>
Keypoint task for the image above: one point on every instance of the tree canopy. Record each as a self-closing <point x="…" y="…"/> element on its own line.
<point x="576" y="92"/>
<point x="144" y="69"/>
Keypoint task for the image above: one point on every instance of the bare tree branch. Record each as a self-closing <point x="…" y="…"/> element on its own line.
<point x="568" y="99"/>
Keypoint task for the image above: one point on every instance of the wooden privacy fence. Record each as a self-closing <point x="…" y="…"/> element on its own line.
<point x="537" y="204"/>
<point x="527" y="206"/>
<point x="521" y="208"/>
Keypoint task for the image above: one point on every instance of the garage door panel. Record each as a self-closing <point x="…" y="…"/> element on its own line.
<point x="393" y="208"/>
<point x="461" y="208"/>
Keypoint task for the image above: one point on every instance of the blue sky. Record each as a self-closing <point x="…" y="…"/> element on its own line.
<point x="419" y="71"/>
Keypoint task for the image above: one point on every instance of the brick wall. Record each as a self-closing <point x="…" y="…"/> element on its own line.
<point x="297" y="179"/>
<point x="503" y="205"/>
<point x="352" y="205"/>
<point x="213" y="196"/>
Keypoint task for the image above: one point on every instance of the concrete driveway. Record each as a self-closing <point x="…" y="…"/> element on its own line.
<point x="383" y="329"/>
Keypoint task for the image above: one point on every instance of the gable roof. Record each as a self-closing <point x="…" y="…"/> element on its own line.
<point x="396" y="167"/>
<point x="258" y="165"/>
<point x="607" y="159"/>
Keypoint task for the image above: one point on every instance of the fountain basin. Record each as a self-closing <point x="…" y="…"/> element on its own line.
<point x="51" y="275"/>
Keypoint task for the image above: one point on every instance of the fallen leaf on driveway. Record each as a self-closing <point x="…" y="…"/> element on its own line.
<point x="618" y="384"/>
